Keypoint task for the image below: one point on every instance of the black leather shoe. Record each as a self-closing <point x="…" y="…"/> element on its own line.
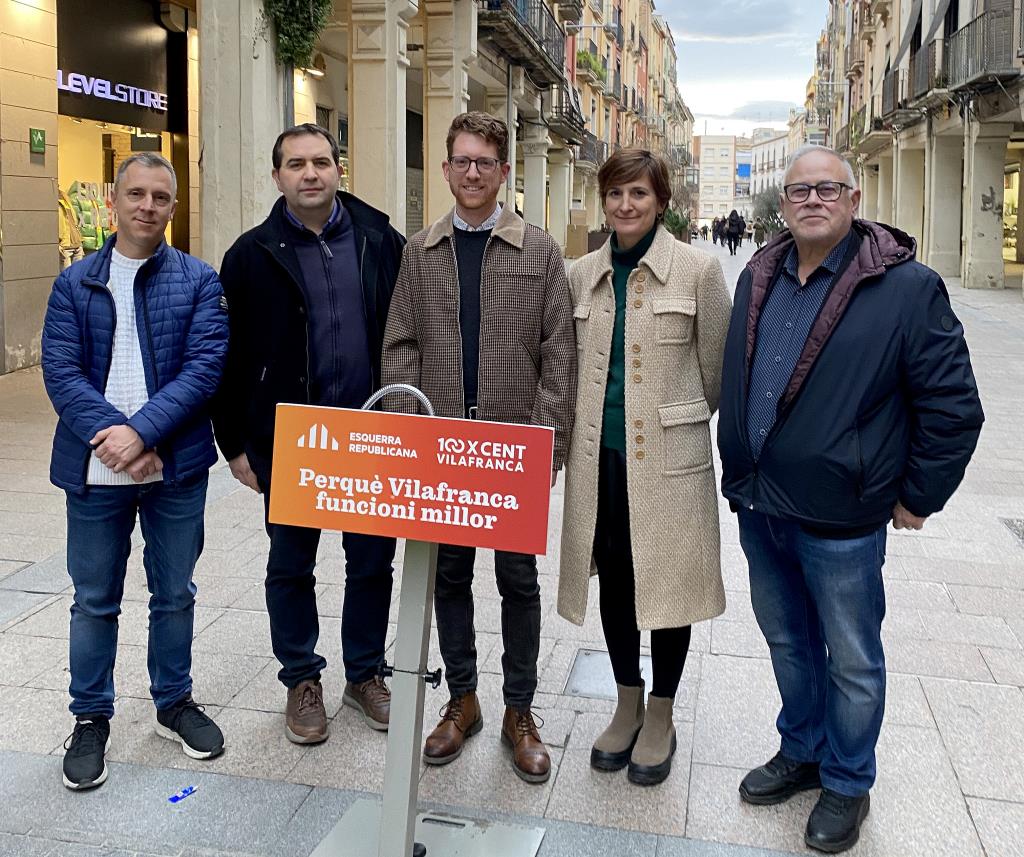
<point x="834" y="823"/>
<point x="779" y="779"/>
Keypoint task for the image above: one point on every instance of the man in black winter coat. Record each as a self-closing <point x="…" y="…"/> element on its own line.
<point x="308" y="292"/>
<point x="848" y="400"/>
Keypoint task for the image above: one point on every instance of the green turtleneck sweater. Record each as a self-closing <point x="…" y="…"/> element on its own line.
<point x="624" y="262"/>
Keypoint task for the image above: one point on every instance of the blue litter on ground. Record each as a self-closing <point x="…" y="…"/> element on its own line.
<point x="184" y="793"/>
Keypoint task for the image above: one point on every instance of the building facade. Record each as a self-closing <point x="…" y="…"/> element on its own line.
<point x="932" y="122"/>
<point x="768" y="162"/>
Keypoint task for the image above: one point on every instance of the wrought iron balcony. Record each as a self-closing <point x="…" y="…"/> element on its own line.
<point x="680" y="155"/>
<point x="982" y="50"/>
<point x="857" y="126"/>
<point x="891" y="92"/>
<point x="572" y="10"/>
<point x="528" y="34"/>
<point x="854" y="60"/>
<point x="613" y="87"/>
<point x="589" y="67"/>
<point x="875" y="136"/>
<point x="924" y="71"/>
<point x="592" y="150"/>
<point x="566" y="118"/>
<point x="842" y="141"/>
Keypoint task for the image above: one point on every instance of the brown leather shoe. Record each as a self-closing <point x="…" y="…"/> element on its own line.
<point x="530" y="758"/>
<point x="305" y="718"/>
<point x="373" y="699"/>
<point x="460" y="719"/>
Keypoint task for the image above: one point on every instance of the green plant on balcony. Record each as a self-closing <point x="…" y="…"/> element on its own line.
<point x="298" y="24"/>
<point x="586" y="60"/>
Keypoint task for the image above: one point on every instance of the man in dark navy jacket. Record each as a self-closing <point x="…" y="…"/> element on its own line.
<point x="308" y="294"/>
<point x="848" y="401"/>
<point x="133" y="347"/>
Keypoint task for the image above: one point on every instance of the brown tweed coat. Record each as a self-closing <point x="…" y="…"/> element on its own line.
<point x="527" y="345"/>
<point x="677" y="314"/>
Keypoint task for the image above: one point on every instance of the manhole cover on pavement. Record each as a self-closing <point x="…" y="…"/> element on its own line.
<point x="591" y="674"/>
<point x="1015" y="526"/>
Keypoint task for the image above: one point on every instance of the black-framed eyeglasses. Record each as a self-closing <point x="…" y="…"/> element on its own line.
<point x="484" y="166"/>
<point x="826" y="191"/>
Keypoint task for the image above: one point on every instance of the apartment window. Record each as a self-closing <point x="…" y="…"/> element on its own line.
<point x="725" y="153"/>
<point x="723" y="190"/>
<point x="723" y="171"/>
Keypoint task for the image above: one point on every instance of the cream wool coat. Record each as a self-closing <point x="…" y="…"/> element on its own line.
<point x="677" y="314"/>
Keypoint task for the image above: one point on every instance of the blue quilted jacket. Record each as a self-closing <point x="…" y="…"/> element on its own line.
<point x="183" y="332"/>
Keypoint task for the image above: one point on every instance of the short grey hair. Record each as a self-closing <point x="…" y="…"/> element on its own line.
<point x="810" y="148"/>
<point x="147" y="159"/>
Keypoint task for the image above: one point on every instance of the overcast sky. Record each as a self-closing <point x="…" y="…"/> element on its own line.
<point x="743" y="62"/>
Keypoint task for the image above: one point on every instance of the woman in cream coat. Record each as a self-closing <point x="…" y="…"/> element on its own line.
<point x="641" y="508"/>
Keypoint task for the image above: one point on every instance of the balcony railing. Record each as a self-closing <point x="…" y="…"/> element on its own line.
<point x="891" y="92"/>
<point x="566" y="118"/>
<point x="572" y="10"/>
<point x="527" y="32"/>
<point x="842" y="141"/>
<point x="857" y="126"/>
<point x="924" y="70"/>
<point x="854" y="60"/>
<point x="592" y="150"/>
<point x="981" y="50"/>
<point x="613" y="86"/>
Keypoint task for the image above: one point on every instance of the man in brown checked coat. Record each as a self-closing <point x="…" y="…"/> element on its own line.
<point x="481" y="321"/>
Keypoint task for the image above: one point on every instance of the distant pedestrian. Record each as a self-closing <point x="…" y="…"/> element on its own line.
<point x="716" y="230"/>
<point x="704" y="232"/>
<point x="641" y="453"/>
<point x="848" y="401"/>
<point x="759" y="233"/>
<point x="733" y="231"/>
<point x="134" y="343"/>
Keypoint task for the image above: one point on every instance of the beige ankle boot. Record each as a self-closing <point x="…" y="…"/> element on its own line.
<point x="611" y="750"/>
<point x="651" y="759"/>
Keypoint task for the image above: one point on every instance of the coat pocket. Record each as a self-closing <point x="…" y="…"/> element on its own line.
<point x="673" y="319"/>
<point x="581" y="315"/>
<point x="686" y="436"/>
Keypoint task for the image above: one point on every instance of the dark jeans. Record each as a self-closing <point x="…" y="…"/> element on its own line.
<point x="733" y="243"/>
<point x="516" y="574"/>
<point x="100" y="524"/>
<point x="820" y="603"/>
<point x="291" y="602"/>
<point x="613" y="555"/>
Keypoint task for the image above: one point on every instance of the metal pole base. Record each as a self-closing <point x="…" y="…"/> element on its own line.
<point x="356" y="835"/>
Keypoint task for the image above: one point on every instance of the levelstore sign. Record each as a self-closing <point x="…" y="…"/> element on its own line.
<point x="463" y="482"/>
<point x="98" y="87"/>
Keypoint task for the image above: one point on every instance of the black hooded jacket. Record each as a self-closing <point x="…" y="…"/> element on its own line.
<point x="882" y="405"/>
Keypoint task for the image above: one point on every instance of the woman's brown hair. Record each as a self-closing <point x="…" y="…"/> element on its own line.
<point x="627" y="165"/>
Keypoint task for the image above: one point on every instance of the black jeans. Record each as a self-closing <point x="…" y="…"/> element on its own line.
<point x="613" y="554"/>
<point x="733" y="243"/>
<point x="291" y="602"/>
<point x="516" y="574"/>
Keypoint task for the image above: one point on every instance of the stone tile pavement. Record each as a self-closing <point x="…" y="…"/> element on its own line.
<point x="951" y="763"/>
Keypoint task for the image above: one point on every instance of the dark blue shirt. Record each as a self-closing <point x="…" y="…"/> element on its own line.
<point x="786" y="320"/>
<point x="469" y="258"/>
<point x="339" y="346"/>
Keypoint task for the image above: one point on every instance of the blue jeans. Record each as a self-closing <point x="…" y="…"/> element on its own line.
<point x="100" y="524"/>
<point x="820" y="603"/>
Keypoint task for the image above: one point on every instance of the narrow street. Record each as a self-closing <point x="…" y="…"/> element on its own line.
<point x="951" y="762"/>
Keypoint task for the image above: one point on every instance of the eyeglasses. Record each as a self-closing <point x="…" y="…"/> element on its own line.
<point x="484" y="166"/>
<point x="826" y="191"/>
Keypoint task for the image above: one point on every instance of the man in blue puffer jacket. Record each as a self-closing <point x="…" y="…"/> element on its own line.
<point x="134" y="344"/>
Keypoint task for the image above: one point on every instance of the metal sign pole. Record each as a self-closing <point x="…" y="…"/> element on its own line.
<point x="402" y="764"/>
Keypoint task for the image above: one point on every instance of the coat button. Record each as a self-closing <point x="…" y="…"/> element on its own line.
<point x="639" y="438"/>
<point x="638" y="304"/>
<point x="636" y="363"/>
<point x="638" y="424"/>
<point x="641" y="277"/>
<point x="640" y="454"/>
<point x="637" y="379"/>
<point x="640" y="288"/>
<point x="636" y="349"/>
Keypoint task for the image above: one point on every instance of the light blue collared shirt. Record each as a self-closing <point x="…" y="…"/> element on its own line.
<point x="489" y="223"/>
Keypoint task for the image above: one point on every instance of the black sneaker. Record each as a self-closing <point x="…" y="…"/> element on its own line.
<point x="834" y="823"/>
<point x="779" y="779"/>
<point x="84" y="765"/>
<point x="186" y="723"/>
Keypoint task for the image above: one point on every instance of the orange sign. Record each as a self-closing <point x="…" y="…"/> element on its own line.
<point x="462" y="482"/>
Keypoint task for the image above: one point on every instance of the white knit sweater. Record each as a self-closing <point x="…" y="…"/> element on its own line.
<point x="126" y="383"/>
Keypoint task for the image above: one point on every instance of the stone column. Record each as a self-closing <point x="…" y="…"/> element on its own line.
<point x="595" y="211"/>
<point x="910" y="191"/>
<point x="29" y="255"/>
<point x="507" y="109"/>
<point x="241" y="92"/>
<point x="885" y="210"/>
<point x="560" y="195"/>
<point x="450" y="37"/>
<point x="984" y="157"/>
<point x="943" y="206"/>
<point x="868" y="193"/>
<point x="376" y="87"/>
<point x="535" y="175"/>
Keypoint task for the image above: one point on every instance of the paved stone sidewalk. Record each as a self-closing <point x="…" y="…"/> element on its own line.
<point x="951" y="763"/>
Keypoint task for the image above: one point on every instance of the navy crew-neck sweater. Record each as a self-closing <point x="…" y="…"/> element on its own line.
<point x="469" y="258"/>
